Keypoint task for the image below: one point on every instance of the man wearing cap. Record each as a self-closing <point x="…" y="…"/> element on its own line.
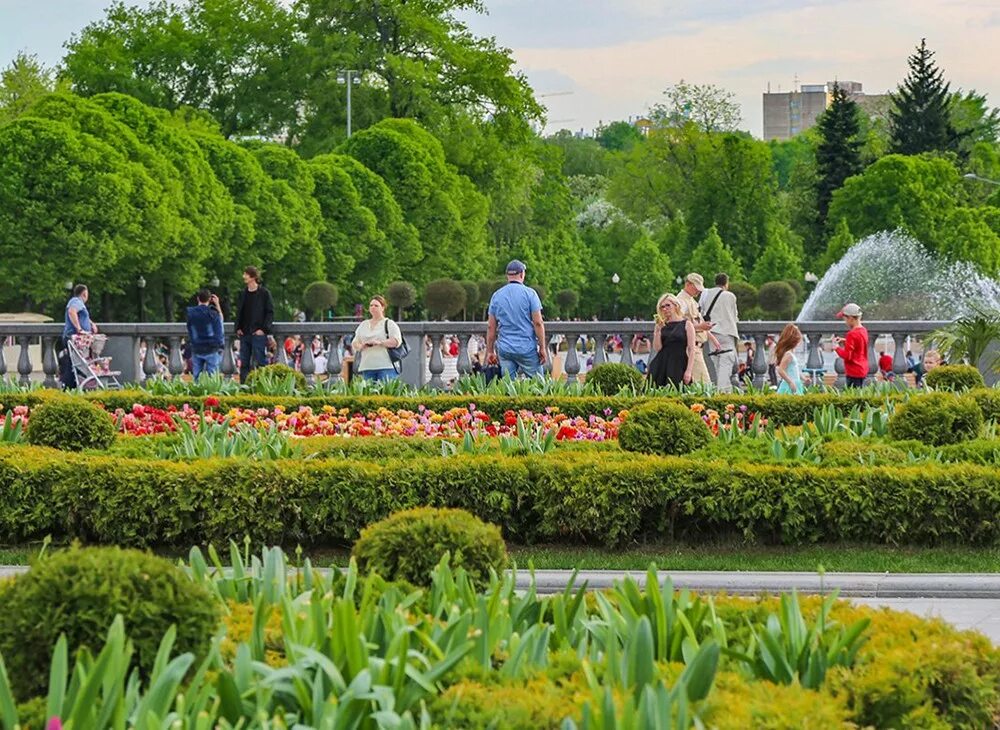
<point x="516" y="333"/>
<point x="694" y="285"/>
<point x="853" y="349"/>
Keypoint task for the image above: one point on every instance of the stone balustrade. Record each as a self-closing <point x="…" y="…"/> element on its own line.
<point x="423" y="366"/>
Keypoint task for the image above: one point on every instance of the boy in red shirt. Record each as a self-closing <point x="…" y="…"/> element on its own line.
<point x="853" y="348"/>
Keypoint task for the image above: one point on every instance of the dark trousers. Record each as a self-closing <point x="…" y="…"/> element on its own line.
<point x="855" y="382"/>
<point x="67" y="375"/>
<point x="252" y="346"/>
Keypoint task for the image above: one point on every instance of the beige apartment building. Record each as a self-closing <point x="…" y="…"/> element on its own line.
<point x="787" y="114"/>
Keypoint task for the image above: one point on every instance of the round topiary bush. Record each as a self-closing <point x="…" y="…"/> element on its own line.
<point x="610" y="377"/>
<point x="662" y="427"/>
<point x="937" y="419"/>
<point x="71" y="424"/>
<point x="408" y="545"/>
<point x="79" y="591"/>
<point x="265" y="380"/>
<point x="958" y="378"/>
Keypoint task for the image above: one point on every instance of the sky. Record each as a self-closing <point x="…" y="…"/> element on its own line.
<point x="617" y="56"/>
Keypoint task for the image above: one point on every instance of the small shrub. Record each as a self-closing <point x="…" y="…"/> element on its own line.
<point x="79" y="591"/>
<point x="71" y="424"/>
<point x="776" y="297"/>
<point x="274" y="380"/>
<point x="958" y="378"/>
<point x="989" y="402"/>
<point x="610" y="377"/>
<point x="937" y="419"/>
<point x="409" y="544"/>
<point x="663" y="428"/>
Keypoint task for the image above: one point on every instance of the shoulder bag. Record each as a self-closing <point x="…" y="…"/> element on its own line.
<point x="396" y="354"/>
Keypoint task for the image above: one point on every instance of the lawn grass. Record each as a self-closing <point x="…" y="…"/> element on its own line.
<point x="731" y="556"/>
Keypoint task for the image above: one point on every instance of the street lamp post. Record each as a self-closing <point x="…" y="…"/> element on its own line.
<point x="140" y="284"/>
<point x="348" y="77"/>
<point x="615" y="279"/>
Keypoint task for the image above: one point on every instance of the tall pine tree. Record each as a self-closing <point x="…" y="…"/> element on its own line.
<point x="838" y="155"/>
<point x="921" y="115"/>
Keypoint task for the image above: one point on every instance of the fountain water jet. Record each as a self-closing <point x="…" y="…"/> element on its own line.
<point x="893" y="277"/>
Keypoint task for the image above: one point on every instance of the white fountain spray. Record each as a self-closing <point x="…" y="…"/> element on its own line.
<point x="893" y="277"/>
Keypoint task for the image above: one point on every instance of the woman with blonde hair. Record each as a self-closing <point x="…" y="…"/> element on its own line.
<point x="787" y="365"/>
<point x="372" y="340"/>
<point x="673" y="343"/>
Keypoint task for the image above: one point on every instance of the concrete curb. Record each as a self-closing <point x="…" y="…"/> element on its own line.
<point x="850" y="585"/>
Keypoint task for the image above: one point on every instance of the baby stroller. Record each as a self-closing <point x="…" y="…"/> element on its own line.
<point x="90" y="369"/>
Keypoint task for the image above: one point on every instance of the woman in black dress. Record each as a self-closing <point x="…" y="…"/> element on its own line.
<point x="673" y="342"/>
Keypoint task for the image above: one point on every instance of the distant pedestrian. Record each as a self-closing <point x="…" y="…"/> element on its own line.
<point x="787" y="365"/>
<point x="254" y="317"/>
<point x="675" y="345"/>
<point x="915" y="366"/>
<point x="372" y="340"/>
<point x="204" y="326"/>
<point x="719" y="307"/>
<point x="694" y="285"/>
<point x="885" y="367"/>
<point x="515" y="335"/>
<point x="853" y="349"/>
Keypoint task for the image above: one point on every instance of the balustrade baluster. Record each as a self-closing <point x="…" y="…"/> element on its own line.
<point x="872" y="359"/>
<point x="899" y="364"/>
<point x="838" y="366"/>
<point x="24" y="366"/>
<point x="572" y="368"/>
<point x="308" y="363"/>
<point x="282" y="356"/>
<point x="49" y="363"/>
<point x="436" y="365"/>
<point x="149" y="366"/>
<point x="175" y="362"/>
<point x="228" y="364"/>
<point x="627" y="350"/>
<point x="333" y="364"/>
<point x="464" y="364"/>
<point x="814" y="360"/>
<point x="600" y="356"/>
<point x="3" y="360"/>
<point x="759" y="361"/>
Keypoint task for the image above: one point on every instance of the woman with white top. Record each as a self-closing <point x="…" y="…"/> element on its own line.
<point x="372" y="340"/>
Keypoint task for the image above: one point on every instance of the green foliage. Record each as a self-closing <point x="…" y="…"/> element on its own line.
<point x="22" y="83"/>
<point x="611" y="378"/>
<point x="706" y="106"/>
<point x="969" y="338"/>
<point x="12" y="431"/>
<point x="645" y="275"/>
<point x="746" y="295"/>
<point x="921" y="114"/>
<point x="618" y="136"/>
<point x="958" y="378"/>
<point x="663" y="428"/>
<point x="276" y="379"/>
<point x="712" y="256"/>
<point x="779" y="261"/>
<point x="78" y="592"/>
<point x="838" y="245"/>
<point x="444" y="297"/>
<point x="471" y="297"/>
<point x="777" y="298"/>
<point x="70" y="424"/>
<point x="408" y="545"/>
<point x="220" y="441"/>
<point x="937" y="419"/>
<point x="838" y="155"/>
<point x="567" y="300"/>
<point x="319" y="297"/>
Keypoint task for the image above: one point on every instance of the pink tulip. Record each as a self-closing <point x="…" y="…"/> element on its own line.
<point x="54" y="724"/>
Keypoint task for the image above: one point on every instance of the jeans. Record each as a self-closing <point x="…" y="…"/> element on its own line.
<point x="254" y="346"/>
<point x="520" y="364"/>
<point x="380" y="375"/>
<point x="208" y="363"/>
<point x="855" y="382"/>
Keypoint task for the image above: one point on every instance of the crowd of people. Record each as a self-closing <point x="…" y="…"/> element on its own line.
<point x="695" y="339"/>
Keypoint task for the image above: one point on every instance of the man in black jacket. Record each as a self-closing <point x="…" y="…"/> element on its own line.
<point x="254" y="317"/>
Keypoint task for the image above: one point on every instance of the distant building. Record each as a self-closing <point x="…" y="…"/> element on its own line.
<point x="787" y="114"/>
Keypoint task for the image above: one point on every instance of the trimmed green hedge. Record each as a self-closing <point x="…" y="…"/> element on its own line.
<point x="565" y="496"/>
<point x="780" y="409"/>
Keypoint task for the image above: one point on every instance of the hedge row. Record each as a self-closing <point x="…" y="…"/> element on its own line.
<point x="781" y="409"/>
<point x="566" y="496"/>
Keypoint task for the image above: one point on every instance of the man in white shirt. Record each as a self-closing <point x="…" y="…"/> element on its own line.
<point x="718" y="305"/>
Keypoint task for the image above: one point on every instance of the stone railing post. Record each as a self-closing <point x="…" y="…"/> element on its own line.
<point x="333" y="364"/>
<point x="228" y="364"/>
<point x="308" y="363"/>
<point x="872" y="359"/>
<point x="627" y="350"/>
<point x="464" y="365"/>
<point x="24" y="366"/>
<point x="572" y="367"/>
<point x="838" y="366"/>
<point x="814" y="360"/>
<point x="759" y="361"/>
<point x="437" y="363"/>
<point x="899" y="364"/>
<point x="50" y="366"/>
<point x="149" y="365"/>
<point x="600" y="356"/>
<point x="175" y="363"/>
<point x="3" y="360"/>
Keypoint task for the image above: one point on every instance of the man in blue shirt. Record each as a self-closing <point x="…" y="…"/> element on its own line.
<point x="516" y="332"/>
<point x="77" y="322"/>
<point x="204" y="325"/>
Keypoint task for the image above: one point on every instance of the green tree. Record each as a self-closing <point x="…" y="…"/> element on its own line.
<point x="22" y="83"/>
<point x="240" y="60"/>
<point x="645" y="275"/>
<point x="974" y="120"/>
<point x="417" y="59"/>
<point x="319" y="297"/>
<point x="840" y="243"/>
<point x="444" y="297"/>
<point x="401" y="295"/>
<point x="837" y="156"/>
<point x="567" y="301"/>
<point x="712" y="257"/>
<point x="708" y="107"/>
<point x="618" y="136"/>
<point x="777" y="298"/>
<point x="921" y="115"/>
<point x="581" y="156"/>
<point x="779" y="261"/>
